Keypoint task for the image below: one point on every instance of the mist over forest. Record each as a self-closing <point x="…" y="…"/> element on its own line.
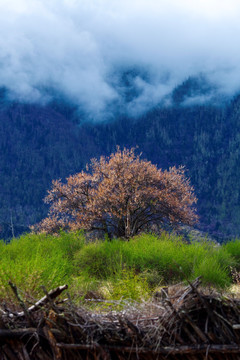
<point x="78" y="78"/>
<point x="93" y="52"/>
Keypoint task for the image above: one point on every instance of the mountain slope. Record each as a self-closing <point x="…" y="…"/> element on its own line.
<point x="42" y="143"/>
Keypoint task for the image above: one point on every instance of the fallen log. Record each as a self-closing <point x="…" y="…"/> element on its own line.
<point x="19" y="333"/>
<point x="193" y="349"/>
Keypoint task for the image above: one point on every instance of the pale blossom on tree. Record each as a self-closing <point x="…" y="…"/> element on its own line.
<point x="121" y="195"/>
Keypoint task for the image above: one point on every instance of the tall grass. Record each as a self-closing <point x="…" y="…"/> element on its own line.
<point x="233" y="248"/>
<point x="35" y="260"/>
<point x="167" y="256"/>
<point x="111" y="269"/>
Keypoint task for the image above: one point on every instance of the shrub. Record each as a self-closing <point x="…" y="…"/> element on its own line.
<point x="233" y="248"/>
<point x="167" y="259"/>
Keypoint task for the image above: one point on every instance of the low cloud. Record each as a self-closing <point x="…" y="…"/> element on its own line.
<point x="125" y="56"/>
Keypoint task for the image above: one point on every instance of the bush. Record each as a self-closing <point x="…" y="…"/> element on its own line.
<point x="213" y="274"/>
<point x="168" y="257"/>
<point x="100" y="259"/>
<point x="233" y="248"/>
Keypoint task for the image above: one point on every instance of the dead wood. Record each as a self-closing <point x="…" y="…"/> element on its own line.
<point x="189" y="325"/>
<point x="194" y="349"/>
<point x="51" y="295"/>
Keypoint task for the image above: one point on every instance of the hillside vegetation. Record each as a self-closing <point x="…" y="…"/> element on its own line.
<point x="111" y="270"/>
<point x="40" y="144"/>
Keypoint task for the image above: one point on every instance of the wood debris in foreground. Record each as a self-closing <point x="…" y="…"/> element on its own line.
<point x="189" y="325"/>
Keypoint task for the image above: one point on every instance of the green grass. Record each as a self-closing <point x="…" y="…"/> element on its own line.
<point x="233" y="248"/>
<point x="111" y="269"/>
<point x="163" y="260"/>
<point x="35" y="260"/>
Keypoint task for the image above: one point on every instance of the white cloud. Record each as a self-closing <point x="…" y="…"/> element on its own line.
<point x="76" y="47"/>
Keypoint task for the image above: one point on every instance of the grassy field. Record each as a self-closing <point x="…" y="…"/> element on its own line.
<point x="113" y="270"/>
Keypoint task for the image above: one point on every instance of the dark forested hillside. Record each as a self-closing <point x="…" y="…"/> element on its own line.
<point x="41" y="143"/>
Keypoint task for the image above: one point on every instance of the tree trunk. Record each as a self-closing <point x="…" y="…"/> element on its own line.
<point x="128" y="224"/>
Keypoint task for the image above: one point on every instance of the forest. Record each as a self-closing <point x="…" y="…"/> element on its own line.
<point x="39" y="144"/>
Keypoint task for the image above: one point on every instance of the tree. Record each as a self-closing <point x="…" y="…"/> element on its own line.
<point x="121" y="195"/>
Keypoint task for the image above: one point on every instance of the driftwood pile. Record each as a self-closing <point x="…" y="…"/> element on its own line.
<point x="188" y="325"/>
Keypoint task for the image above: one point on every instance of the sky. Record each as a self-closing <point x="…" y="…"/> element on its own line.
<point x="82" y="48"/>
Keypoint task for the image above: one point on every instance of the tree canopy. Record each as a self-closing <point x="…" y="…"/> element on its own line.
<point x="120" y="195"/>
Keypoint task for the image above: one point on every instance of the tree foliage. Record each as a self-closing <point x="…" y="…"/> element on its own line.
<point x="41" y="143"/>
<point x="120" y="195"/>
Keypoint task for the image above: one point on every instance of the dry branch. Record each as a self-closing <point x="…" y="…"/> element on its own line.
<point x="53" y="294"/>
<point x="178" y="327"/>
<point x="194" y="349"/>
